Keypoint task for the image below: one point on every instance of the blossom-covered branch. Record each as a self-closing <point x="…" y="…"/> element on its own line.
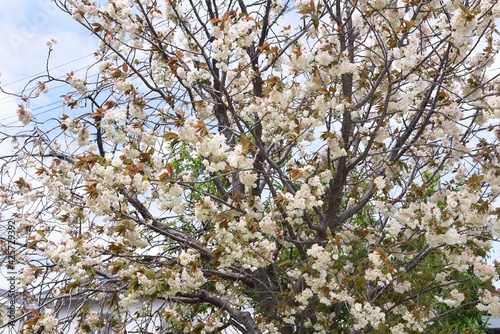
<point x="263" y="167"/>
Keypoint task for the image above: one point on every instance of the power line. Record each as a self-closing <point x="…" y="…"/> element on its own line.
<point x="34" y="115"/>
<point x="34" y="109"/>
<point x="32" y="87"/>
<point x="43" y="72"/>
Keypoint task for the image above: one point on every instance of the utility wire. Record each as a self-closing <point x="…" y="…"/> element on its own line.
<point x="37" y="114"/>
<point x="34" y="109"/>
<point x="32" y="87"/>
<point x="41" y="73"/>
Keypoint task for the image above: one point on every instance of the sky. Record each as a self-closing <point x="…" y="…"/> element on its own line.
<point x="25" y="27"/>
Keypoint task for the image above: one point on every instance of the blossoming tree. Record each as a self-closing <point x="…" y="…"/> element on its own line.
<point x="264" y="167"/>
